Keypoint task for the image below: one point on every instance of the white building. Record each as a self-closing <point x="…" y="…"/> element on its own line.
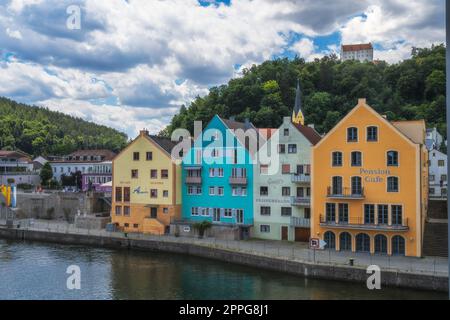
<point x="438" y="179"/>
<point x="433" y="139"/>
<point x="17" y="167"/>
<point x="362" y="52"/>
<point x="83" y="161"/>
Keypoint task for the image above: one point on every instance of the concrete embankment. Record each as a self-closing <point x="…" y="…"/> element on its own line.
<point x="340" y="273"/>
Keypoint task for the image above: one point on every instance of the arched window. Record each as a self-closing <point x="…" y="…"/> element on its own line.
<point x="356" y="159"/>
<point x="392" y="158"/>
<point x="337" y="186"/>
<point x="330" y="238"/>
<point x="337" y="159"/>
<point x="392" y="184"/>
<point x="398" y="245"/>
<point x="362" y="243"/>
<point x="380" y="244"/>
<point x="345" y="241"/>
<point x="356" y="186"/>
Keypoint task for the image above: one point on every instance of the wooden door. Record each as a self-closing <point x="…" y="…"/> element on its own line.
<point x="302" y="234"/>
<point x="284" y="233"/>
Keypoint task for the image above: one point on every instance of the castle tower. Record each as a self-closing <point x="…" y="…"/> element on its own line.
<point x="297" y="114"/>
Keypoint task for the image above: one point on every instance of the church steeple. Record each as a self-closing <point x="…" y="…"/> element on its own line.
<point x="297" y="114"/>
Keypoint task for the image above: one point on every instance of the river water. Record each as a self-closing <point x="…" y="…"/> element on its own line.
<point x="31" y="270"/>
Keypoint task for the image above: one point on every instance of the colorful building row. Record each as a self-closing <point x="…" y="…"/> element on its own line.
<point x="363" y="187"/>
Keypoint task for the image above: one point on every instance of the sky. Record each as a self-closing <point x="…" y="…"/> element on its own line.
<point x="131" y="64"/>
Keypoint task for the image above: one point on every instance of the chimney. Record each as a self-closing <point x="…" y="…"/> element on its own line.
<point x="311" y="126"/>
<point x="143" y="132"/>
<point x="287" y="120"/>
<point x="362" y="101"/>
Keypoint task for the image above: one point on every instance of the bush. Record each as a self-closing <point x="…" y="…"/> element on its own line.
<point x="24" y="186"/>
<point x="201" y="227"/>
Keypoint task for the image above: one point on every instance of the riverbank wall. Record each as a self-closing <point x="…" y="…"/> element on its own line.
<point x="309" y="270"/>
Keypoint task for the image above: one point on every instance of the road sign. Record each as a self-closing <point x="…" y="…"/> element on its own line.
<point x="316" y="243"/>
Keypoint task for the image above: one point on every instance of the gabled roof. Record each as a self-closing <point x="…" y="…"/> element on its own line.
<point x="107" y="154"/>
<point x="309" y="133"/>
<point x="414" y="130"/>
<point x="235" y="125"/>
<point x="356" y="47"/>
<point x="164" y="143"/>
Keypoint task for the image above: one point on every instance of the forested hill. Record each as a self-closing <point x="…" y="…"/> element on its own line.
<point x="412" y="89"/>
<point x="39" y="131"/>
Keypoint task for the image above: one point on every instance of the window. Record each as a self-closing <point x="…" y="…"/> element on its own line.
<point x="330" y="212"/>
<point x="194" y="211"/>
<point x="307" y="213"/>
<point x="380" y="244"/>
<point x="372" y="134"/>
<point x="286" y="169"/>
<point x="205" y="212"/>
<point x="441" y="163"/>
<point x="212" y="191"/>
<point x="164" y="174"/>
<point x="443" y="177"/>
<point x="153" y="174"/>
<point x="356" y="159"/>
<point x="126" y="225"/>
<point x="264" y="191"/>
<point x="337" y="159"/>
<point x="431" y="191"/>
<point x="149" y="156"/>
<point x="126" y="194"/>
<point x="398" y="245"/>
<point x="281" y="148"/>
<point x="286" y="132"/>
<point x="239" y="172"/>
<point x="343" y="212"/>
<point x="194" y="190"/>
<point x="126" y="211"/>
<point x="383" y="214"/>
<point x="153" y="193"/>
<point x="265" y="211"/>
<point x="134" y="174"/>
<point x="264" y="228"/>
<point x="362" y="243"/>
<point x="369" y="214"/>
<point x="352" y="134"/>
<point x="337" y="186"/>
<point x="392" y="184"/>
<point x="165" y="193"/>
<point x="264" y="169"/>
<point x="165" y="210"/>
<point x="356" y="186"/>
<point x="292" y="148"/>
<point x="345" y="241"/>
<point x="286" y="211"/>
<point x="330" y="238"/>
<point x="239" y="191"/>
<point x="118" y="211"/>
<point x="135" y="225"/>
<point x="285" y="191"/>
<point x="220" y="191"/>
<point x="228" y="213"/>
<point x="431" y="177"/>
<point x="397" y="215"/>
<point x="392" y="158"/>
<point x="136" y="156"/>
<point x="118" y="194"/>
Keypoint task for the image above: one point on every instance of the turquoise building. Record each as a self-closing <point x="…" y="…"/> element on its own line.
<point x="217" y="178"/>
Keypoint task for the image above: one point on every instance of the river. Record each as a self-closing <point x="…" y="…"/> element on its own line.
<point x="31" y="270"/>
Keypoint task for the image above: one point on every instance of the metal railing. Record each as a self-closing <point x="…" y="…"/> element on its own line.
<point x="360" y="223"/>
<point x="194" y="180"/>
<point x="300" y="222"/>
<point x="238" y="180"/>
<point x="301" y="201"/>
<point x="345" y="193"/>
<point x="300" y="178"/>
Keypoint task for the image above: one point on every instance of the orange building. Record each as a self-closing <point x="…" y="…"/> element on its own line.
<point x="369" y="185"/>
<point x="146" y="186"/>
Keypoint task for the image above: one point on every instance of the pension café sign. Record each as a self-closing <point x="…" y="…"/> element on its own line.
<point x="374" y="175"/>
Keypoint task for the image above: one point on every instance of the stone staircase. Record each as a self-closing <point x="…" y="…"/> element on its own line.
<point x="435" y="241"/>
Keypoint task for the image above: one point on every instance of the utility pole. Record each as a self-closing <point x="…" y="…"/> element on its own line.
<point x="447" y="36"/>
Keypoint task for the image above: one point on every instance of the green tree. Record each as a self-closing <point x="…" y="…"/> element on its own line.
<point x="46" y="174"/>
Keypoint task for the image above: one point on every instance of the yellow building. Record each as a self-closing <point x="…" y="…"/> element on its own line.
<point x="369" y="185"/>
<point x="146" y="186"/>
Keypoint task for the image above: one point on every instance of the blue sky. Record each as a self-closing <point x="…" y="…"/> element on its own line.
<point x="133" y="63"/>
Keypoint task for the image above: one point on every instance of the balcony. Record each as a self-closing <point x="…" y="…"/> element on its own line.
<point x="358" y="223"/>
<point x="345" y="193"/>
<point x="238" y="181"/>
<point x="301" y="201"/>
<point x="194" y="180"/>
<point x="300" y="222"/>
<point x="300" y="178"/>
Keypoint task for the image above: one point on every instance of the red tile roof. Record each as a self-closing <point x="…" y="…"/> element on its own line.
<point x="356" y="47"/>
<point x="309" y="133"/>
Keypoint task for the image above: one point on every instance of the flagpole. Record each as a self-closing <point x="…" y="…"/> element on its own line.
<point x="447" y="36"/>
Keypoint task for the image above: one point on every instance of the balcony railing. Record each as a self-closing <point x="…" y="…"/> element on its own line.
<point x="345" y="193"/>
<point x="300" y="222"/>
<point x="238" y="181"/>
<point x="301" y="201"/>
<point x="300" y="178"/>
<point x="360" y="224"/>
<point x="193" y="180"/>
